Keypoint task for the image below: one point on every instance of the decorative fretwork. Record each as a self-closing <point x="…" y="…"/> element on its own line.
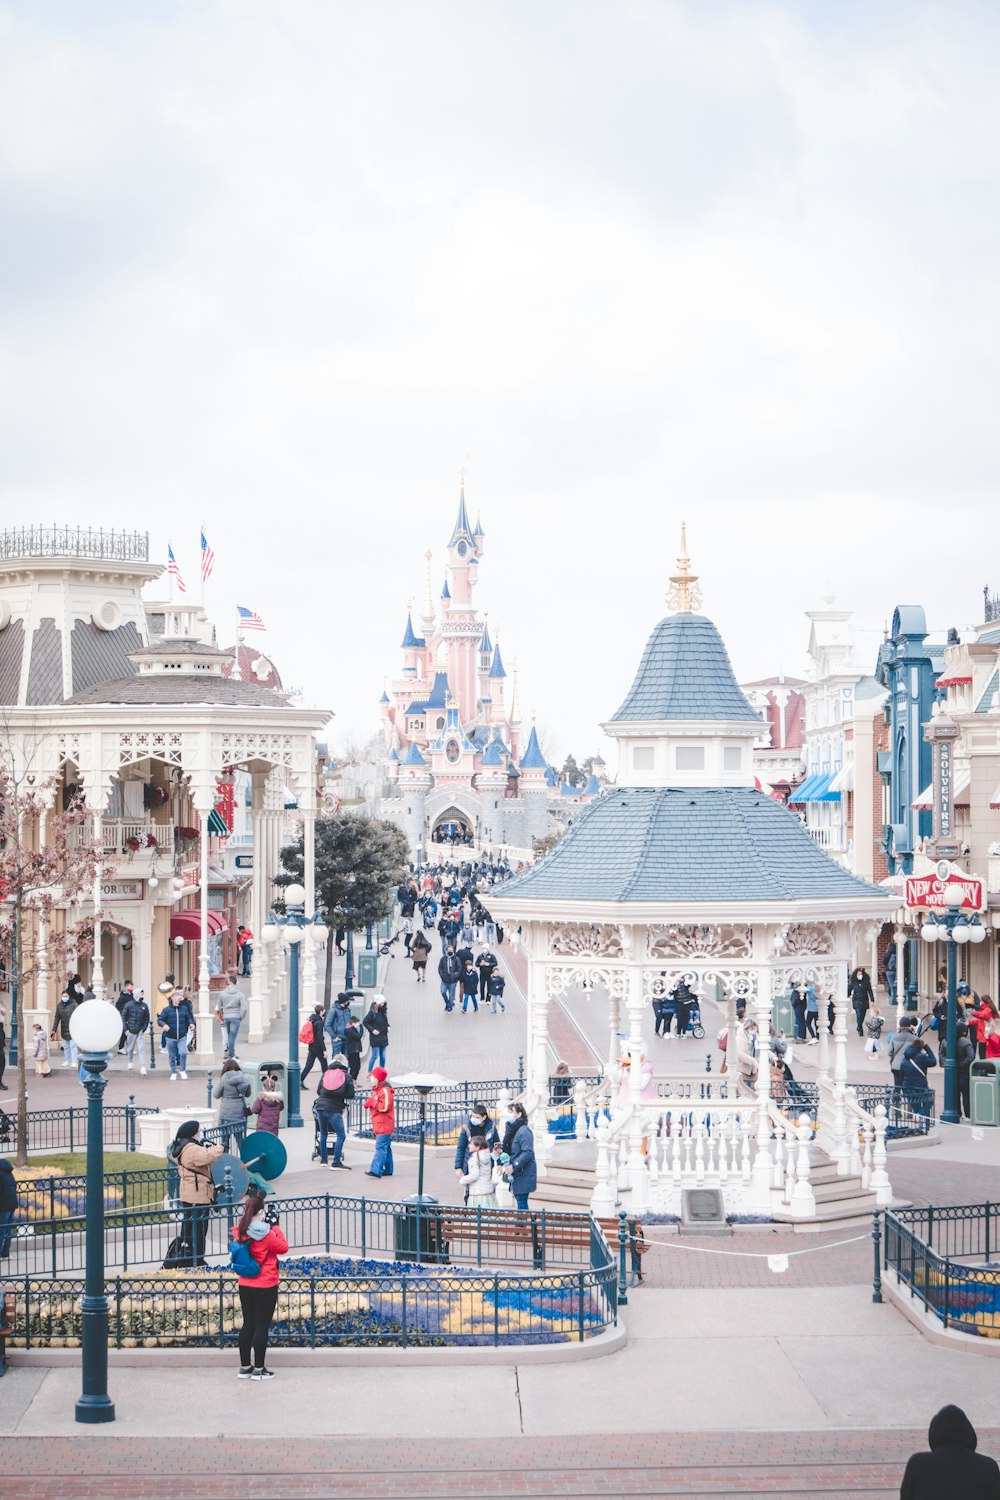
<point x="560" y="978"/>
<point x="150" y="744"/>
<point x="741" y="984"/>
<point x="273" y="749"/>
<point x="823" y="976"/>
<point x="69" y="748"/>
<point x="585" y="939"/>
<point x="728" y="940"/>
<point x="808" y="938"/>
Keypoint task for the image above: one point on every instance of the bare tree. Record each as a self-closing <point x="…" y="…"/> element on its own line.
<point x="46" y="863"/>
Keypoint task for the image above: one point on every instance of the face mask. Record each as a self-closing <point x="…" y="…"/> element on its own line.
<point x="479" y="1119"/>
<point x="512" y="1119"/>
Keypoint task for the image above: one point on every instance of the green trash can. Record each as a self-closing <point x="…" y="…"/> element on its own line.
<point x="419" y="1232"/>
<point x="782" y="1016"/>
<point x="984" y="1099"/>
<point x="368" y="970"/>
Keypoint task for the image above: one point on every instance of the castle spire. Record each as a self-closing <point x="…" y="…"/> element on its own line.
<point x="428" y="601"/>
<point x="462" y="527"/>
<point x="684" y="596"/>
<point x="515" y="706"/>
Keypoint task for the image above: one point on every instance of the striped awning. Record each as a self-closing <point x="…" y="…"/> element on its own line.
<point x="959" y="792"/>
<point x="186" y="924"/>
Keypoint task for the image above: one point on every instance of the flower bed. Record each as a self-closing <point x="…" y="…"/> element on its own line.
<point x="325" y="1301"/>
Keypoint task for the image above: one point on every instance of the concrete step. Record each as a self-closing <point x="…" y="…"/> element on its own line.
<point x="836" y="1188"/>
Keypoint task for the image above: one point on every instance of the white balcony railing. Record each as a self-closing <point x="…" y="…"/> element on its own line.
<point x="126" y="838"/>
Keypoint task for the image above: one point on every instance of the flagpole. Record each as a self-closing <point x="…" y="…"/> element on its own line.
<point x="237" y="674"/>
<point x="170" y="571"/>
<point x="201" y="562"/>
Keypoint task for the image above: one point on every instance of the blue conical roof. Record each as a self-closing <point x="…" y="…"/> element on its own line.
<point x="533" y="759"/>
<point x="685" y="674"/>
<point x="409" y="639"/>
<point x="439" y="693"/>
<point x="593" y="787"/>
<point x="413" y="757"/>
<point x="446" y="591"/>
<point x="497" y="669"/>
<point x="494" y="755"/>
<point x="486" y="645"/>
<point x="385" y="697"/>
<point x="551" y="779"/>
<point x="393" y="755"/>
<point x="462" y="527"/>
<point x="479" y="533"/>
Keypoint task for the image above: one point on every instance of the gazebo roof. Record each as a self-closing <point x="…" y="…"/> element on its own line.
<point x="685" y="673"/>
<point x="711" y="844"/>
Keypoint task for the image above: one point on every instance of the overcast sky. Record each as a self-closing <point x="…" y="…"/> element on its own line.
<point x="283" y="267"/>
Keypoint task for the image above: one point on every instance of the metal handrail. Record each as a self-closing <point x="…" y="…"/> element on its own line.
<point x="74" y="541"/>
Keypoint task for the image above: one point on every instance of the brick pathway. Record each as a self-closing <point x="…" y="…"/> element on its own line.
<point x="857" y="1464"/>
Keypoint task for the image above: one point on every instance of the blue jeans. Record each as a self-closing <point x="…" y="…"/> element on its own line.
<point x="496" y="1000"/>
<point x="382" y="1160"/>
<point x="230" y="1031"/>
<point x="71" y="1051"/>
<point x="327" y="1120"/>
<point x="448" y="994"/>
<point x="247" y="959"/>
<point x="177" y="1053"/>
<point x="235" y="1130"/>
<point x="377" y="1058"/>
<point x="6" y="1232"/>
<point x="467" y="996"/>
<point x="521" y="1199"/>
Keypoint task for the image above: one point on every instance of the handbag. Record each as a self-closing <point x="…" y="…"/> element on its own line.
<point x="241" y="1261"/>
<point x="217" y="1014"/>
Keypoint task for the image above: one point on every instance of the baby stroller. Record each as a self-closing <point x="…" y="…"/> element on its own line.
<point x="695" y="1026"/>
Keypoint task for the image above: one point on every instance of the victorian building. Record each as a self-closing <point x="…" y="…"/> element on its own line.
<point x="172" y="743"/>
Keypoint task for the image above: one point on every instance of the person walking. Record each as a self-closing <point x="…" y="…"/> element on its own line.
<point x="965" y="1056"/>
<point x="336" y="1021"/>
<point x="450" y="974"/>
<point x="420" y="949"/>
<point x="898" y="1042"/>
<point x="336" y="1087"/>
<point x="354" y="1040"/>
<point x="259" y="1230"/>
<point x="812" y="1013"/>
<point x="3" y="1049"/>
<point x="381" y="1103"/>
<point x="522" y="1171"/>
<point x="486" y="964"/>
<point x="470" y="987"/>
<point x="231" y="1010"/>
<point x="232" y="1092"/>
<point x="861" y="995"/>
<point x="176" y="1020"/>
<point x="952" y="1470"/>
<point x="268" y="1105"/>
<point x="197" y="1191"/>
<point x="135" y="1020"/>
<point x="313" y="1030"/>
<point x="40" y="1051"/>
<point x="376" y="1023"/>
<point x="798" y="999"/>
<point x="874" y="1022"/>
<point x="64" y="1010"/>
<point x="244" y="948"/>
<point x="497" y="985"/>
<point x="980" y="1020"/>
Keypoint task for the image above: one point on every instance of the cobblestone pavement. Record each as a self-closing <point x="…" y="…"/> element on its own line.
<point x="859" y="1464"/>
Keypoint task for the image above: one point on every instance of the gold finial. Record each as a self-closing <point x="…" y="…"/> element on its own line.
<point x="684" y="595"/>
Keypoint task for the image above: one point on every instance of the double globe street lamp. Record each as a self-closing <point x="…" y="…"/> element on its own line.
<point x="293" y="927"/>
<point x="952" y="927"/>
<point x="96" y="1028"/>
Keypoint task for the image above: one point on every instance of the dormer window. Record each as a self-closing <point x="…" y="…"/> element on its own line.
<point x="643" y="757"/>
<point x="690" y="758"/>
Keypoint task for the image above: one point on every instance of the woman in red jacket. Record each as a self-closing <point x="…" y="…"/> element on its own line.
<point x="381" y="1103"/>
<point x="258" y="1294"/>
<point x="979" y="1019"/>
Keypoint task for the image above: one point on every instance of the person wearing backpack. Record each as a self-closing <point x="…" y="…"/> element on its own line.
<point x="312" y="1035"/>
<point x="197" y="1190"/>
<point x="336" y="1087"/>
<point x="257" y="1243"/>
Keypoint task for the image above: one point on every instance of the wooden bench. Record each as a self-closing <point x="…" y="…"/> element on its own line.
<point x="6" y="1328"/>
<point x="544" y="1236"/>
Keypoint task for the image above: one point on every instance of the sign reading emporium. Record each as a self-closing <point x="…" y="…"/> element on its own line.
<point x="931" y="893"/>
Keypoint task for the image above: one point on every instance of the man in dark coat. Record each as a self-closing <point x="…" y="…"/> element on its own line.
<point x="8" y="1206"/>
<point x="859" y="992"/>
<point x="952" y="1470"/>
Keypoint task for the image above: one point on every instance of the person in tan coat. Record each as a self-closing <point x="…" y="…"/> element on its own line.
<point x="197" y="1190"/>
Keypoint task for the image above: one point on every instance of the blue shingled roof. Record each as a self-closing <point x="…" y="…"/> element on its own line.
<point x="988" y="638"/>
<point x="486" y="645"/>
<point x="685" y="674"/>
<point x="551" y="779"/>
<point x="409" y="639"/>
<point x="497" y="669"/>
<point x="413" y="757"/>
<point x="479" y="532"/>
<point x="983" y="706"/>
<point x="462" y="527"/>
<point x="385" y="697"/>
<point x="593" y="787"/>
<point x="494" y="754"/>
<point x="393" y="754"/>
<point x="438" y="695"/>
<point x="446" y="591"/>
<point x="688" y="844"/>
<point x="533" y="759"/>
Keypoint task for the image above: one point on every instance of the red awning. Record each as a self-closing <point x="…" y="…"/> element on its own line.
<point x="187" y="924"/>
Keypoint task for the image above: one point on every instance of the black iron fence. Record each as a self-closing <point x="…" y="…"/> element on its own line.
<point x="319" y="1223"/>
<point x="910" y="1112"/>
<point x="447" y="1108"/>
<point x="74" y="541"/>
<point x="930" y="1250"/>
<point x="53" y="1200"/>
<point x="66" y="1129"/>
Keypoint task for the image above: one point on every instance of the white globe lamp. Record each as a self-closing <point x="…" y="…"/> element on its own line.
<point x="95" y="1026"/>
<point x="961" y="934"/>
<point x="929" y="932"/>
<point x="295" y="895"/>
<point x="977" y="933"/>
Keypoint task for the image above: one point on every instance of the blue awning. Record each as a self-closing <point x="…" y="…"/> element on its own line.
<point x="816" y="789"/>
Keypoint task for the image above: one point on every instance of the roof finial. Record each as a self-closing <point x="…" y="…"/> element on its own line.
<point x="428" y="601"/>
<point x="684" y="595"/>
<point x="515" y="706"/>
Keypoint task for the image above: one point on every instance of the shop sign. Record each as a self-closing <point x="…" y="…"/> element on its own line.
<point x="122" y="890"/>
<point x="931" y="893"/>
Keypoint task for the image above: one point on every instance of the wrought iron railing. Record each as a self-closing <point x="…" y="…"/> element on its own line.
<point x="322" y="1223"/>
<point x="991" y="605"/>
<point x="910" y="1112"/>
<point x="447" y="1109"/>
<point x="928" y="1249"/>
<point x="66" y="1129"/>
<point x="74" y="541"/>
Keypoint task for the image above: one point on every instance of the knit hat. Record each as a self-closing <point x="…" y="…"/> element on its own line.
<point x="188" y="1130"/>
<point x="341" y="1059"/>
<point x="379" y="1075"/>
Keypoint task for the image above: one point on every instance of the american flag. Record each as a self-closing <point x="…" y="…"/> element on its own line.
<point x="173" y="570"/>
<point x="249" y="619"/>
<point x="207" y="560"/>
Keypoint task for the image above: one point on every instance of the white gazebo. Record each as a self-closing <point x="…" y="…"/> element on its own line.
<point x="686" y="869"/>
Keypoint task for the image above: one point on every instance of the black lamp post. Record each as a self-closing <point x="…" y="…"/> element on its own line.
<point x="96" y="1027"/>
<point x="294" y="924"/>
<point x="952" y="927"/>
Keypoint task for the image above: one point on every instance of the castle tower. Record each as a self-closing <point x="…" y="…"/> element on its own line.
<point x="533" y="786"/>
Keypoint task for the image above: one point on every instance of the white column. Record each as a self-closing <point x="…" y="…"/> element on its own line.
<point x="841" y="1011"/>
<point x="900" y="942"/>
<point x="261" y="959"/>
<point x="638" y="1176"/>
<point x="205" y="1053"/>
<point x="42" y="944"/>
<point x="307" y="989"/>
<point x="97" y="963"/>
<point x="760" y="1188"/>
<point x="538" y="1036"/>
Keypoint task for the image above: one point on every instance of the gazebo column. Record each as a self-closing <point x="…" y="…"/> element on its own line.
<point x="760" y="1187"/>
<point x="839" y="1148"/>
<point x="614" y="1027"/>
<point x="204" y="801"/>
<point x="638" y="1175"/>
<point x="899" y="938"/>
<point x="97" y="962"/>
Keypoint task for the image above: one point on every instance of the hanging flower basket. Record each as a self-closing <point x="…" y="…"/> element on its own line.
<point x="154" y="796"/>
<point x="186" y="835"/>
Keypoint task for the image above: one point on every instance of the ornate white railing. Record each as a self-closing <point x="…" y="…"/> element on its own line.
<point x="125" y="838"/>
